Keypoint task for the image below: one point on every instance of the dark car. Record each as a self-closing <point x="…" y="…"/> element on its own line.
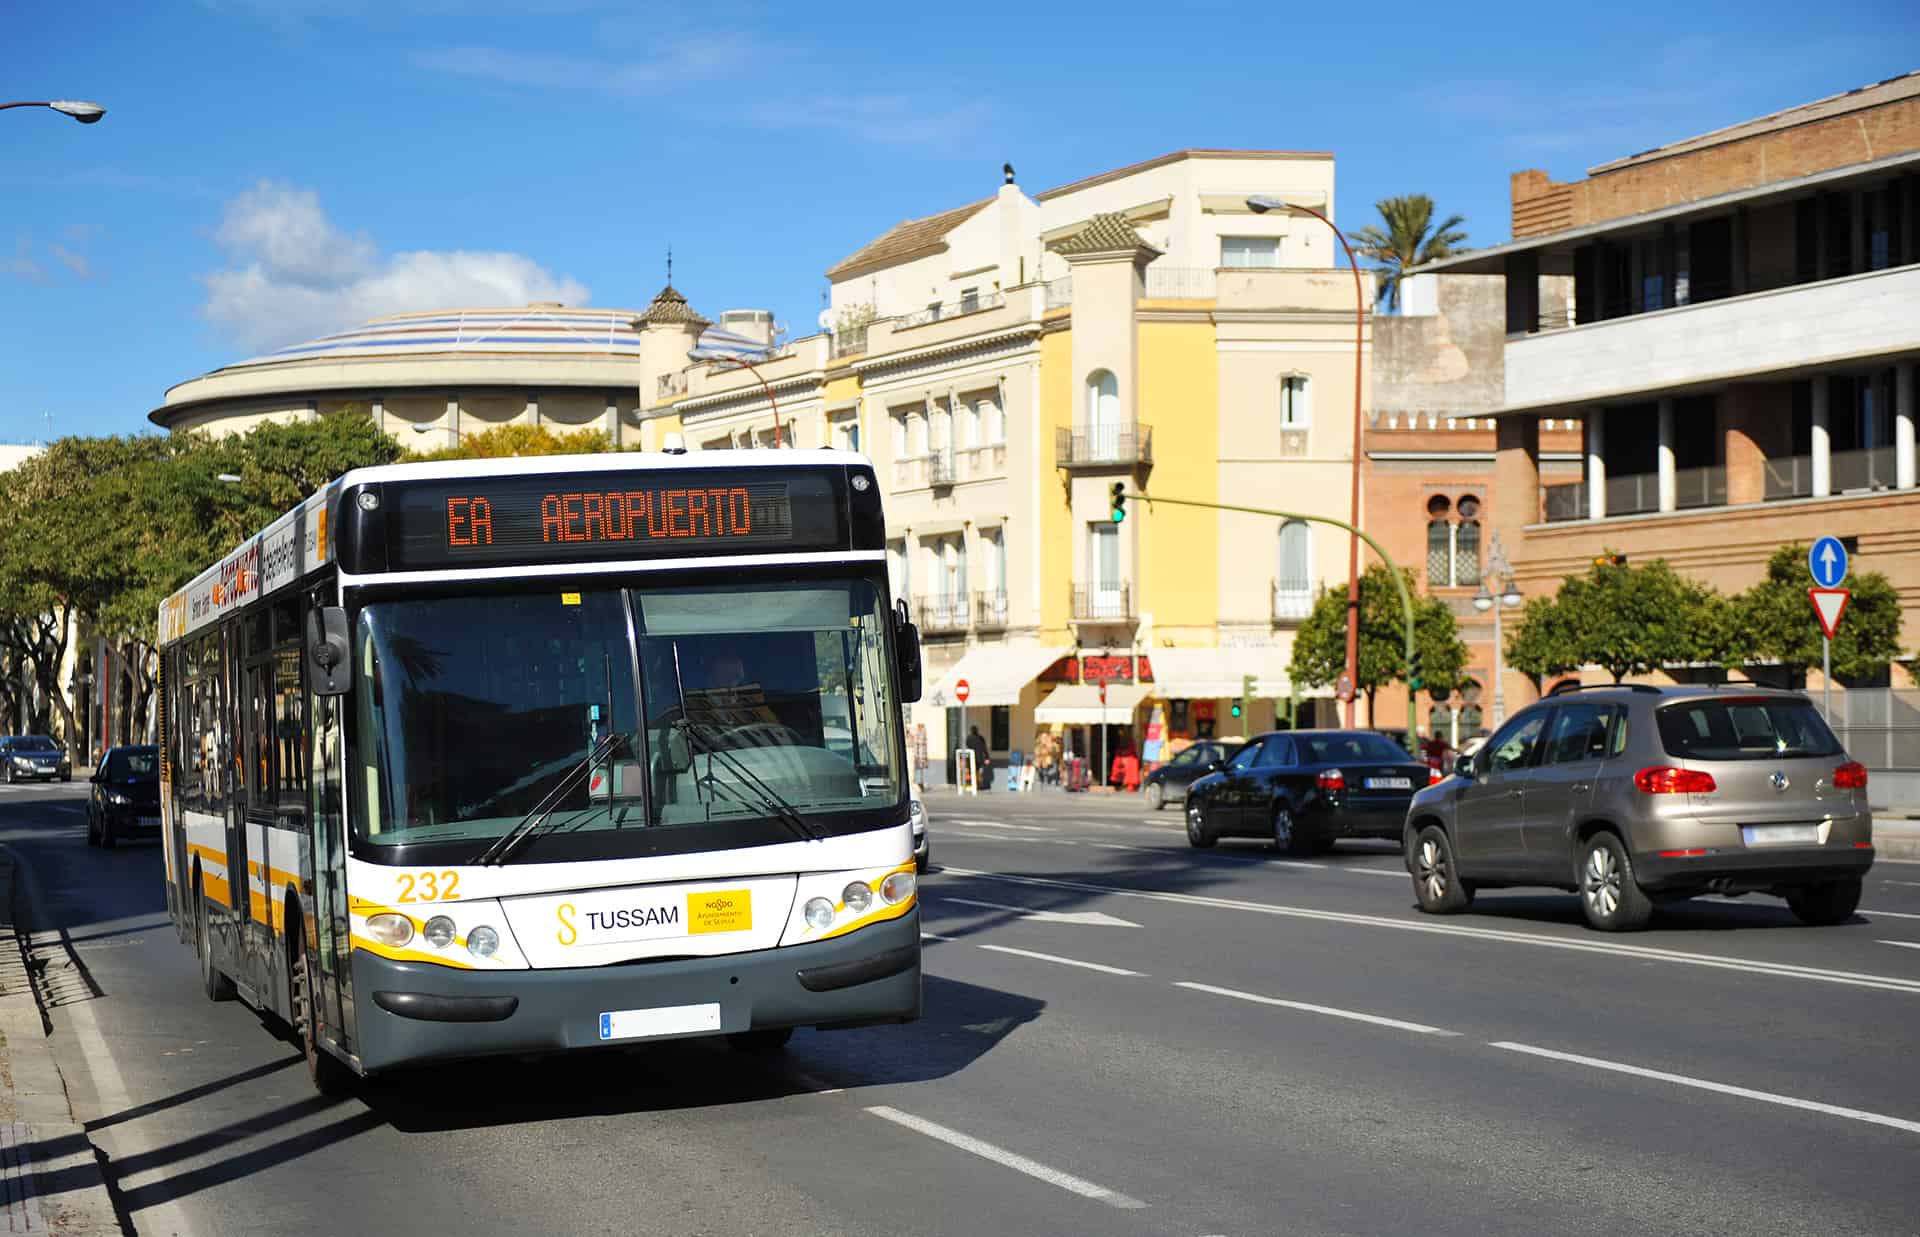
<point x="1305" y="789"/>
<point x="1170" y="780"/>
<point x="126" y="795"/>
<point x="33" y="757"/>
<point x="1636" y="795"/>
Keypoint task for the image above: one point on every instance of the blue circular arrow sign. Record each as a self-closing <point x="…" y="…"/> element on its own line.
<point x="1827" y="561"/>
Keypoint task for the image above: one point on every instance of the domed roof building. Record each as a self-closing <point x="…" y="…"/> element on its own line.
<point x="432" y="378"/>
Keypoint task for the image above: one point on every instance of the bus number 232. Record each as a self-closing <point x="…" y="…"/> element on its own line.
<point x="430" y="886"/>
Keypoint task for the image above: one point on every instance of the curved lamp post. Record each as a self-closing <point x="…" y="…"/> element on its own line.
<point x="1260" y="204"/>
<point x="750" y="367"/>
<point x="1508" y="599"/>
<point x="84" y="112"/>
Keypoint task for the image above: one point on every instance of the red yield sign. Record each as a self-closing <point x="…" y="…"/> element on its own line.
<point x="961" y="691"/>
<point x="1828" y="605"/>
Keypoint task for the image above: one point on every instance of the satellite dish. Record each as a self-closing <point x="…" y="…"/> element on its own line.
<point x="825" y="319"/>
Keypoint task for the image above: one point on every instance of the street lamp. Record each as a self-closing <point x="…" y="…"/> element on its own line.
<point x="85" y="113"/>
<point x="715" y="359"/>
<point x="1483" y="601"/>
<point x="1260" y="204"/>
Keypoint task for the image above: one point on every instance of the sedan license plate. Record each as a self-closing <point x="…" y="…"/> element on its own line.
<point x="1780" y="835"/>
<point x="1389" y="783"/>
<point x="661" y="1020"/>
<point x="149" y="822"/>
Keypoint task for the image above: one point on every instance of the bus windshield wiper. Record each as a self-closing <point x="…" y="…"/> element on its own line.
<point x="550" y="802"/>
<point x="769" y="800"/>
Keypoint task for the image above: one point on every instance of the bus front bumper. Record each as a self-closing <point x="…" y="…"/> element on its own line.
<point x="414" y="1012"/>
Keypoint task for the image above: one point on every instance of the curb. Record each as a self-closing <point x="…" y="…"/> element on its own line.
<point x="1907" y="848"/>
<point x="52" y="1177"/>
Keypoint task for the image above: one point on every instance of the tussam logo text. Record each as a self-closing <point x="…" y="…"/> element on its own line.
<point x="606" y="921"/>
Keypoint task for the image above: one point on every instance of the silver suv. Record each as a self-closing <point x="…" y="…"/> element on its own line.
<point x="1634" y="795"/>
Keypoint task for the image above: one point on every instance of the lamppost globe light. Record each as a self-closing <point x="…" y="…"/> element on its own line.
<point x="1511" y="599"/>
<point x="82" y="111"/>
<point x="1483" y="600"/>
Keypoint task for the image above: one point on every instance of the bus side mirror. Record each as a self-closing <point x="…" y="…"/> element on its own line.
<point x="327" y="671"/>
<point x="906" y="644"/>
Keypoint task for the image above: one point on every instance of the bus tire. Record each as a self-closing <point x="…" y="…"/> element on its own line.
<point x="760" y="1043"/>
<point x="216" y="985"/>
<point x="328" y="1073"/>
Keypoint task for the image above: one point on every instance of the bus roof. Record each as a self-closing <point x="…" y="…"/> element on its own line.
<point x="298" y="541"/>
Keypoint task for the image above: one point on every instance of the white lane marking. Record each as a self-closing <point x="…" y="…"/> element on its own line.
<point x="1902" y="944"/>
<point x="1145" y="850"/>
<point x="1419" y="1028"/>
<point x="1096" y="919"/>
<point x="1781" y="970"/>
<point x="994" y="824"/>
<point x="1396" y="873"/>
<point x="933" y="936"/>
<point x="1089" y="966"/>
<point x="1008" y="1159"/>
<point x="1914" y="884"/>
<point x="1682" y="1080"/>
<point x="1867" y="910"/>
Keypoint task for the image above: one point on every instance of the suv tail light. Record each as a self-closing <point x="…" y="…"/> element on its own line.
<point x="1667" y="780"/>
<point x="1850" y="776"/>
<point x="1331" y="781"/>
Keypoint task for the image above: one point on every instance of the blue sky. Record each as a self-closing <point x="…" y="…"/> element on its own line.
<point x="268" y="171"/>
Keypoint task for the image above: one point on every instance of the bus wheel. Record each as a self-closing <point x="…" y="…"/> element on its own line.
<point x="760" y="1043"/>
<point x="216" y="985"/>
<point x="328" y="1074"/>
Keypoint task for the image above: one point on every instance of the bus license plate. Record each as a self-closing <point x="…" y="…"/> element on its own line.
<point x="1389" y="783"/>
<point x="661" y="1020"/>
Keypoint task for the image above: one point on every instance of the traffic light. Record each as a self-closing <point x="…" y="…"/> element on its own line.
<point x="1609" y="560"/>
<point x="1416" y="676"/>
<point x="1119" y="501"/>
<point x="1237" y="710"/>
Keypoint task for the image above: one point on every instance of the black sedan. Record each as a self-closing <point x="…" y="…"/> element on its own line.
<point x="126" y="795"/>
<point x="1304" y="789"/>
<point x="35" y="757"/>
<point x="1170" y="780"/>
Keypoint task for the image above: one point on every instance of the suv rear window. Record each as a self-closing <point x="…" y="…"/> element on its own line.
<point x="1744" y="730"/>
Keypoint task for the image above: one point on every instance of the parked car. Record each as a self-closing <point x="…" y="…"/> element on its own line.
<point x="125" y="799"/>
<point x="1170" y="780"/>
<point x="922" y="849"/>
<point x="1304" y="789"/>
<point x="1631" y="796"/>
<point x="34" y="757"/>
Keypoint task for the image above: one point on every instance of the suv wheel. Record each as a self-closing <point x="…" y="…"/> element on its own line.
<point x="1610" y="897"/>
<point x="1156" y="796"/>
<point x="1826" y="903"/>
<point x="1436" y="884"/>
<point x="1198" y="835"/>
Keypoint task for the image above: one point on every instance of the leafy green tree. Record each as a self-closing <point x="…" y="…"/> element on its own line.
<point x="1777" y="622"/>
<point x="509" y="440"/>
<point x="1320" y="646"/>
<point x="1624" y="619"/>
<point x="1410" y="239"/>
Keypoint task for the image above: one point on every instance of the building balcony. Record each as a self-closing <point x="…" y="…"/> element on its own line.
<point x="1292" y="600"/>
<point x="1181" y="283"/>
<point x="1106" y="446"/>
<point x="977" y="463"/>
<point x="990" y="611"/>
<point x="942" y="616"/>
<point x="1851" y="472"/>
<point x="1638" y="494"/>
<point x="1831" y="322"/>
<point x="1103" y="604"/>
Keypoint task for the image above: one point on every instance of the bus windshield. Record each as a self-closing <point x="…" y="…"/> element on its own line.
<point x="753" y="701"/>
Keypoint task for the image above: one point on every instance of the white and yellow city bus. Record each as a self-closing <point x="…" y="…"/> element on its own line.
<point x="518" y="756"/>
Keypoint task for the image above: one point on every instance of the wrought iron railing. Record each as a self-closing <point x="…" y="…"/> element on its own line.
<point x="951" y="309"/>
<point x="1292" y="600"/>
<point x="1103" y="445"/>
<point x="943" y="614"/>
<point x="1103" y="603"/>
<point x="850" y="340"/>
<point x="1182" y="283"/>
<point x="941" y="470"/>
<point x="990" y="611"/>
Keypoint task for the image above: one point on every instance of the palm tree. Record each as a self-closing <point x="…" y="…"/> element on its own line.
<point x="1410" y="240"/>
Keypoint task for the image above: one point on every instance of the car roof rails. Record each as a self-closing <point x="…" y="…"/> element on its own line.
<point x="1568" y="688"/>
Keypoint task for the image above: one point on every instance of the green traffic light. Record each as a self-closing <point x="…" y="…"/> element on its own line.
<point x="1236" y="708"/>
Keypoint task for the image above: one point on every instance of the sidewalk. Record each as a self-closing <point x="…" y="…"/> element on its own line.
<point x="50" y="1180"/>
<point x="1896" y="838"/>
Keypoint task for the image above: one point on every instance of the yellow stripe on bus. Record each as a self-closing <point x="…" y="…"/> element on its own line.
<point x="407" y="955"/>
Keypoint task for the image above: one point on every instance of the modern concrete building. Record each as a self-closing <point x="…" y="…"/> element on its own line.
<point x="1006" y="362"/>
<point x="1740" y="348"/>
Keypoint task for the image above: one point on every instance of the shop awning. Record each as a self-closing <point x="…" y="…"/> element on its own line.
<point x="1078" y="704"/>
<point x="994" y="675"/>
<point x="1213" y="674"/>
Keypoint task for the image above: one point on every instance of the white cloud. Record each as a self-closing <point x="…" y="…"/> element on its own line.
<point x="296" y="274"/>
<point x="75" y="262"/>
<point x="678" y="60"/>
<point x="22" y="265"/>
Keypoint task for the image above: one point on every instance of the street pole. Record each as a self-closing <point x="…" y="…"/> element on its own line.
<point x="752" y="369"/>
<point x="1826" y="677"/>
<point x="1499" y="671"/>
<point x="1393" y="572"/>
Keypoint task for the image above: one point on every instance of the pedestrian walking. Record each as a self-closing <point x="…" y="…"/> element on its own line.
<point x="982" y="759"/>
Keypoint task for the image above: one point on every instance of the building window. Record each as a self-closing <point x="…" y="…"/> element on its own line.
<point x="1293" y="575"/>
<point x="1453" y="547"/>
<point x="1000" y="728"/>
<point x="1103" y="566"/>
<point x="993" y="428"/>
<point x="1250" y="251"/>
<point x="1439" y="553"/>
<point x="969" y="300"/>
<point x="846" y="433"/>
<point x="1103" y="415"/>
<point x="1296" y="402"/>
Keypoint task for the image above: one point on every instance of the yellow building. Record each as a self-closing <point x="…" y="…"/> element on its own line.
<point x="1005" y="363"/>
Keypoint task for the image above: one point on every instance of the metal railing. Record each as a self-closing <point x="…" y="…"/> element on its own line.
<point x="1103" y="445"/>
<point x="1789" y="476"/>
<point x="1182" y="283"/>
<point x="1869" y="468"/>
<point x="1059" y="292"/>
<point x="1565" y="502"/>
<point x="1705" y="486"/>
<point x="1101" y="603"/>
<point x="1639" y="493"/>
<point x="943" y="614"/>
<point x="990" y="611"/>
<point x="1633" y="494"/>
<point x="849" y="341"/>
<point x="951" y="309"/>
<point x="1292" y="600"/>
<point x="940" y="469"/>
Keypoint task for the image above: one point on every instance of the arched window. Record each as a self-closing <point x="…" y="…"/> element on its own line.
<point x="1293" y="573"/>
<point x="1296" y="402"/>
<point x="1466" y="551"/>
<point x="1439" y="553"/>
<point x="1103" y="415"/>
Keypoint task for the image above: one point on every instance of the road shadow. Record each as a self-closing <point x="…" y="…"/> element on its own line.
<point x="1686" y="915"/>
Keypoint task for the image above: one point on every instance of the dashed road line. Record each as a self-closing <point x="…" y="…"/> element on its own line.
<point x="1702" y="1084"/>
<point x="1102" y="967"/>
<point x="1902" y="944"/>
<point x="1418" y="1028"/>
<point x="1007" y="1159"/>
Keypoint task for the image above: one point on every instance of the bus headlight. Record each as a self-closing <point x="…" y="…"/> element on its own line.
<point x="857" y="897"/>
<point x="439" y="930"/>
<point x="819" y="913"/>
<point x="897" y="888"/>
<point x="390" y="929"/>
<point x="483" y="941"/>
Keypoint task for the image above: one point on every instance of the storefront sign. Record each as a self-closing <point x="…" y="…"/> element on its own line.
<point x="1107" y="669"/>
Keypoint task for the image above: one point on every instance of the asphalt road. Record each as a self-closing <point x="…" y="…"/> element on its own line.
<point x="1122" y="1036"/>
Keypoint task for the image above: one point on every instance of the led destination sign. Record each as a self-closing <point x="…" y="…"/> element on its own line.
<point x="575" y="516"/>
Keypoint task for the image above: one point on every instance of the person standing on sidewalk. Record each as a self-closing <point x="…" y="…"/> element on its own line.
<point x="982" y="759"/>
